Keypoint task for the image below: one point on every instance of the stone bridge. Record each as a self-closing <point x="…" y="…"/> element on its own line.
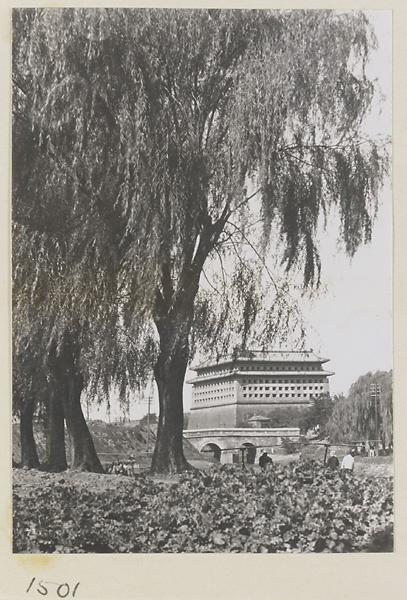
<point x="229" y="445"/>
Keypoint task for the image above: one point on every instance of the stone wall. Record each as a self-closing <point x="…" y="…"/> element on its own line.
<point x="216" y="416"/>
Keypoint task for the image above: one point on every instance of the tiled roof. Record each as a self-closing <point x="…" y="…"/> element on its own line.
<point x="259" y="355"/>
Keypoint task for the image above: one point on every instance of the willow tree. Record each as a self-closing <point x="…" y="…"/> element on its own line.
<point x="66" y="325"/>
<point x="172" y="127"/>
<point x="355" y="417"/>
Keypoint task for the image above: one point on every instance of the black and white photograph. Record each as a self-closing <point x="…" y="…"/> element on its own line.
<point x="201" y="273"/>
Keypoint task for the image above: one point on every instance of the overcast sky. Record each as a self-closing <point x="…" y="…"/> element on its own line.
<point x="351" y="324"/>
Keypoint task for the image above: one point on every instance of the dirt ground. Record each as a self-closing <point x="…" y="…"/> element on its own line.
<point x="26" y="482"/>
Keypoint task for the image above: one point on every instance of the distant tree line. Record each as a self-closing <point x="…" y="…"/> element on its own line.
<point x="353" y="417"/>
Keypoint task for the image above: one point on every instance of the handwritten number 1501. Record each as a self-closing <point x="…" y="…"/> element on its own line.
<point x="63" y="590"/>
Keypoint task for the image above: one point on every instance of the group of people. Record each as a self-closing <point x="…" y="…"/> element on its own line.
<point x="333" y="462"/>
<point x="347" y="464"/>
<point x="128" y="467"/>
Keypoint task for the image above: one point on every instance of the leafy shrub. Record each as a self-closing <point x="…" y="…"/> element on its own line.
<point x="289" y="446"/>
<point x="301" y="507"/>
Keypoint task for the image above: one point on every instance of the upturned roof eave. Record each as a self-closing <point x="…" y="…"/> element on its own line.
<point x="232" y="374"/>
<point x="272" y="356"/>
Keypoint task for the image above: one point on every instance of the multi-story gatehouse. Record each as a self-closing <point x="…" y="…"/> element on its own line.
<point x="228" y="393"/>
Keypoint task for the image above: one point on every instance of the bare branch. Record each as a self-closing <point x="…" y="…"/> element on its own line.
<point x="246" y="200"/>
<point x="248" y="242"/>
<point x="210" y="284"/>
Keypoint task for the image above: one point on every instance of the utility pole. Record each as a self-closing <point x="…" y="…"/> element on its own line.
<point x="375" y="393"/>
<point x="243" y="450"/>
<point x="148" y="422"/>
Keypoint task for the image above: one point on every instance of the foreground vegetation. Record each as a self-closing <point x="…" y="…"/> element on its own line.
<point x="299" y="507"/>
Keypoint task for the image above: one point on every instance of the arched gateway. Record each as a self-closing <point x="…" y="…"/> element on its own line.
<point x="250" y="452"/>
<point x="226" y="444"/>
<point x="232" y="391"/>
<point x="213" y="451"/>
<point x="235" y="398"/>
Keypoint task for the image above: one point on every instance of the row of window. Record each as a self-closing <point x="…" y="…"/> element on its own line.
<point x="279" y="395"/>
<point x="221" y="393"/>
<point x="214" y="390"/>
<point x="218" y="385"/>
<point x="211" y="393"/>
<point x="213" y="398"/>
<point x="265" y="367"/>
<point x="318" y="380"/>
<point x="258" y="395"/>
<point x="301" y="367"/>
<point x="293" y="387"/>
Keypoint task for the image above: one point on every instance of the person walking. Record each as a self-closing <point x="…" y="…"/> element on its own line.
<point x="348" y="461"/>
<point x="333" y="462"/>
<point x="265" y="460"/>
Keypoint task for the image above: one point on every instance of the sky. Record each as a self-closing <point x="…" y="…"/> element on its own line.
<point x="351" y="323"/>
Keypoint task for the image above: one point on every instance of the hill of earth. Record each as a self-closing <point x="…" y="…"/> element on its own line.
<point x="113" y="441"/>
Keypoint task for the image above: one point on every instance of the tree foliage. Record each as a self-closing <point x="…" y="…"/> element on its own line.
<point x="354" y="417"/>
<point x="145" y="142"/>
<point x="318" y="414"/>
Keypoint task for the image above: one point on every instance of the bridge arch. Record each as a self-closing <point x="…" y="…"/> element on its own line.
<point x="211" y="448"/>
<point x="251" y="452"/>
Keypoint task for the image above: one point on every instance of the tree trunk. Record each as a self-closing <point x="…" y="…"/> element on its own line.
<point x="63" y="363"/>
<point x="169" y="374"/>
<point x="83" y="453"/>
<point x="174" y="312"/>
<point x="56" y="455"/>
<point x="29" y="456"/>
